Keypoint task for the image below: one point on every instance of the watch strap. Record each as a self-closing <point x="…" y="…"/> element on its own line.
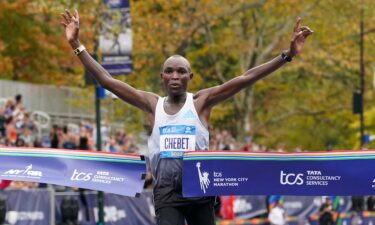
<point x="78" y="50"/>
<point x="286" y="57"/>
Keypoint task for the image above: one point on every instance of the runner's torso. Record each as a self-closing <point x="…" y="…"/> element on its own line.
<point x="171" y="136"/>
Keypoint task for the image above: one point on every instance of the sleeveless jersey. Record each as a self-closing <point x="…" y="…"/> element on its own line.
<point x="171" y="136"/>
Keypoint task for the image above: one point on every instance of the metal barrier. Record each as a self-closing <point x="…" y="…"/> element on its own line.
<point x="43" y="207"/>
<point x="53" y="100"/>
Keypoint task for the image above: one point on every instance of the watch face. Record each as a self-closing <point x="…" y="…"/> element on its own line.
<point x="80" y="49"/>
<point x="286" y="57"/>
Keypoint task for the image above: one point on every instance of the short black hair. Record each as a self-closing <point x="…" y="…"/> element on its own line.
<point x="177" y="56"/>
<point x="18" y="97"/>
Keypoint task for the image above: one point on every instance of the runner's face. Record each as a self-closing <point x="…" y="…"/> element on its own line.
<point x="176" y="75"/>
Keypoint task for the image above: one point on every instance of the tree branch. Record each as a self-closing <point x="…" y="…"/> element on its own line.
<point x="301" y="112"/>
<point x="284" y="29"/>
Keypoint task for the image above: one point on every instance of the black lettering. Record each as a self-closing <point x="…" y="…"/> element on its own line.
<point x="166" y="143"/>
<point x="178" y="143"/>
<point x="186" y="146"/>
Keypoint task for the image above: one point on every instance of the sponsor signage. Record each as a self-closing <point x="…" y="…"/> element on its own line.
<point x="113" y="173"/>
<point x="27" y="207"/>
<point x="304" y="174"/>
<point x="115" y="39"/>
<point x="43" y="207"/>
<point x="27" y="172"/>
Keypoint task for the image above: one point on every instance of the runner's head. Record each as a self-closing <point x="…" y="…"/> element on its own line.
<point x="176" y="75"/>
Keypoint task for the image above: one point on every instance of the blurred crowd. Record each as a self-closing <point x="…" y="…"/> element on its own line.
<point x="18" y="129"/>
<point x="328" y="212"/>
<point x="224" y="140"/>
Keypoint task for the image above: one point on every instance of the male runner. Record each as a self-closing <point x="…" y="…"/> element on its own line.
<point x="179" y="121"/>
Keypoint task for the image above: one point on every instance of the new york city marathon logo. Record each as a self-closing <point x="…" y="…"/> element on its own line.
<point x="28" y="172"/>
<point x="203" y="178"/>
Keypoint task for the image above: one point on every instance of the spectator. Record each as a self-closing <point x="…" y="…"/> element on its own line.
<point x="112" y="146"/>
<point x="248" y="147"/>
<point x="326" y="213"/>
<point x="2" y="122"/>
<point x="214" y="140"/>
<point x="131" y="144"/>
<point x="280" y="148"/>
<point x="371" y="203"/>
<point x="69" y="139"/>
<point x="3" y="141"/>
<point x="27" y="137"/>
<point x="69" y="209"/>
<point x="355" y="219"/>
<point x="9" y="108"/>
<point x="277" y="215"/>
<point x="19" y="111"/>
<point x="11" y="132"/>
<point x="55" y="136"/>
<point x="120" y="138"/>
<point x="27" y="122"/>
<point x="226" y="141"/>
<point x="18" y="104"/>
<point x="227" y="207"/>
<point x="358" y="203"/>
<point x="20" y="143"/>
<point x="84" y="139"/>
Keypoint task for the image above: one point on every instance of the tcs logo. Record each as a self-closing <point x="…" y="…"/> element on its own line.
<point x="291" y="178"/>
<point x="79" y="176"/>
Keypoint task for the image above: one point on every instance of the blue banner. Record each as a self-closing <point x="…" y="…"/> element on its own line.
<point x="115" y="39"/>
<point x="246" y="207"/>
<point x="31" y="207"/>
<point x="118" y="210"/>
<point x="108" y="172"/>
<point x="301" y="207"/>
<point x="305" y="174"/>
<point x="43" y="207"/>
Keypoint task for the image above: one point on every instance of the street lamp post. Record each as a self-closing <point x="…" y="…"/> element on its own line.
<point x="362" y="77"/>
<point x="99" y="148"/>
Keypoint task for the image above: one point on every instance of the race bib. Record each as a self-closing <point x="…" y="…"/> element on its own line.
<point x="176" y="139"/>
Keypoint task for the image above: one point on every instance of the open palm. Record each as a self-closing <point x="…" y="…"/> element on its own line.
<point x="71" y="25"/>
